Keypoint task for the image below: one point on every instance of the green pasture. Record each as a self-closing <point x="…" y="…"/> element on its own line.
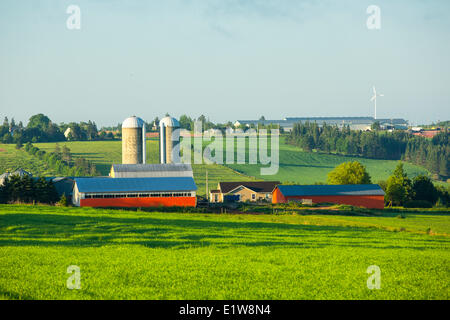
<point x="142" y="255"/>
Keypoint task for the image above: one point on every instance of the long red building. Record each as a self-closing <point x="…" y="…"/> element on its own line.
<point x="134" y="192"/>
<point x="366" y="195"/>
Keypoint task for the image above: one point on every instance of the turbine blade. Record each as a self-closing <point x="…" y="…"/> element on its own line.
<point x="381" y="95"/>
<point x="373" y="98"/>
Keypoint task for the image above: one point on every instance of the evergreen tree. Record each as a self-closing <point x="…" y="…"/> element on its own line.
<point x="399" y="187"/>
<point x="424" y="189"/>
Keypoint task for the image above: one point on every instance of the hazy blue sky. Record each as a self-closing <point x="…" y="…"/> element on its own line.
<point x="227" y="59"/>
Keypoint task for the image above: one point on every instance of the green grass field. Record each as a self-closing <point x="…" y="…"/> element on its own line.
<point x="141" y="255"/>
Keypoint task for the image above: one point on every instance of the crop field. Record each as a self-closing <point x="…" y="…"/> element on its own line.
<point x="143" y="255"/>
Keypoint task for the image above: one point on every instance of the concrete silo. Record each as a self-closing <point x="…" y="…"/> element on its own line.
<point x="166" y="128"/>
<point x="133" y="141"/>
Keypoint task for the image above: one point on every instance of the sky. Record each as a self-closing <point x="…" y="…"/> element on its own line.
<point x="226" y="59"/>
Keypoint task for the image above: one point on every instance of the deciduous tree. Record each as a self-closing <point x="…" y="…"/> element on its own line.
<point x="349" y="173"/>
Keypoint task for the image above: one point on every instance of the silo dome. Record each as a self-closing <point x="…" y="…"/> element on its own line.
<point x="133" y="122"/>
<point x="169" y="122"/>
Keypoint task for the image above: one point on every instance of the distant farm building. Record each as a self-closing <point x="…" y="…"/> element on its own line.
<point x="366" y="195"/>
<point x="243" y="191"/>
<point x="426" y="133"/>
<point x="150" y="170"/>
<point x="355" y="123"/>
<point x="18" y="172"/>
<point x="150" y="135"/>
<point x="67" y="132"/>
<point x="134" y="192"/>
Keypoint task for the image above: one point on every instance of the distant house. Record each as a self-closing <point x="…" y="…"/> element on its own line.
<point x="67" y="132"/>
<point x="152" y="135"/>
<point x="151" y="170"/>
<point x="361" y="195"/>
<point x="243" y="191"/>
<point x="134" y="192"/>
<point x="18" y="172"/>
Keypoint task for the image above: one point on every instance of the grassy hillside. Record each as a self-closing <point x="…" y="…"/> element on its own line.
<point x="102" y="153"/>
<point x="11" y="159"/>
<point x="309" y="167"/>
<point x="138" y="255"/>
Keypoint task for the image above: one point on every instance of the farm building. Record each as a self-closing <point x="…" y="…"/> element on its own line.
<point x="361" y="195"/>
<point x="150" y="170"/>
<point x="426" y="133"/>
<point x="134" y="192"/>
<point x="243" y="191"/>
<point x="19" y="172"/>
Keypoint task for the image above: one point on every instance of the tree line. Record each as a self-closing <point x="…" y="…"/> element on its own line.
<point x="41" y="129"/>
<point x="432" y="154"/>
<point x="62" y="162"/>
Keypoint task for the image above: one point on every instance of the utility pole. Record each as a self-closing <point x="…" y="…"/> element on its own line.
<point x="207" y="195"/>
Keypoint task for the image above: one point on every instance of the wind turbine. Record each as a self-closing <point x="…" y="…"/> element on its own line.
<point x="374" y="99"/>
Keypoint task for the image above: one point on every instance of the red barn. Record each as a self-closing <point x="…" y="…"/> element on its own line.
<point x="134" y="192"/>
<point x="361" y="195"/>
